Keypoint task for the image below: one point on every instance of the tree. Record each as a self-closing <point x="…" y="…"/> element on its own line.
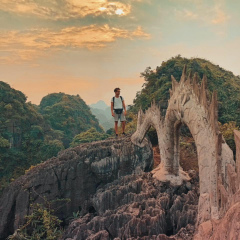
<point x="68" y="114"/>
<point x="158" y="82"/>
<point x="89" y="136"/>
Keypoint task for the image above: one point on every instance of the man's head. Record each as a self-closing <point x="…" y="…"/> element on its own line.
<point x="117" y="91"/>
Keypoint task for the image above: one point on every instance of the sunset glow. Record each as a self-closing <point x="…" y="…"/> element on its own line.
<point x="89" y="47"/>
<point x="119" y="12"/>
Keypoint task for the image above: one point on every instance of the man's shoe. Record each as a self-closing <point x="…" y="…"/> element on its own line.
<point x="116" y="135"/>
<point x="124" y="133"/>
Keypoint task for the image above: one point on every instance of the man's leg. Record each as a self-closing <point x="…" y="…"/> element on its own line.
<point x="123" y="121"/>
<point x="123" y="126"/>
<point x="116" y="127"/>
<point x="116" y="117"/>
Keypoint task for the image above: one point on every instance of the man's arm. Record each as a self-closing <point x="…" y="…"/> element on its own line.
<point x="112" y="109"/>
<point x="124" y="106"/>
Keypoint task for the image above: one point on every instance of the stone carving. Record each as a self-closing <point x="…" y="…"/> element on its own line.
<point x="190" y="104"/>
<point x="228" y="226"/>
<point x="76" y="173"/>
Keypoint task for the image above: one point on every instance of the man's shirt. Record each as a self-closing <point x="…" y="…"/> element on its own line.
<point x="117" y="102"/>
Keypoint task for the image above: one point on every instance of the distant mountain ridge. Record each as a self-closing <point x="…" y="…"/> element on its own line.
<point x="103" y="113"/>
<point x="99" y="105"/>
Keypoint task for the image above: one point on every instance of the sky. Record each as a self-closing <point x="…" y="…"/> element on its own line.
<point x="89" y="47"/>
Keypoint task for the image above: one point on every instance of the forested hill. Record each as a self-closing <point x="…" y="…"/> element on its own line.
<point x="68" y="114"/>
<point x="30" y="134"/>
<point x="158" y="82"/>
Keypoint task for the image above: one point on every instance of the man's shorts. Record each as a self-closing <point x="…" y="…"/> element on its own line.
<point x="119" y="116"/>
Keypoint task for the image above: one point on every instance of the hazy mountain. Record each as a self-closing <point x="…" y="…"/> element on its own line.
<point x="99" y="105"/>
<point x="103" y="113"/>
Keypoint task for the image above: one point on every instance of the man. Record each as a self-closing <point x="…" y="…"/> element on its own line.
<point x="117" y="106"/>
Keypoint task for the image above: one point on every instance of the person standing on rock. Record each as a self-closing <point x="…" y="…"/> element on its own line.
<point x="117" y="107"/>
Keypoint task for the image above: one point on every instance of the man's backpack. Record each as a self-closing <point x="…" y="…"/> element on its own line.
<point x="118" y="111"/>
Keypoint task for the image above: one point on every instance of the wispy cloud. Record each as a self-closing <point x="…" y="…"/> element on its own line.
<point x="186" y="14"/>
<point x="97" y="7"/>
<point x="212" y="13"/>
<point x="29" y="7"/>
<point x="220" y="16"/>
<point x="33" y="43"/>
<point x="65" y="9"/>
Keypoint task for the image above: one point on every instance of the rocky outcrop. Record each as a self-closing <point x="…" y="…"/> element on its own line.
<point x="76" y="173"/>
<point x="227" y="227"/>
<point x="223" y="229"/>
<point x="191" y="104"/>
<point x="139" y="207"/>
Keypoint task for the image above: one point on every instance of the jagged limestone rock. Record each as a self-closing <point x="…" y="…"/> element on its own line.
<point x="189" y="104"/>
<point x="228" y="226"/>
<point x="76" y="173"/>
<point x="139" y="207"/>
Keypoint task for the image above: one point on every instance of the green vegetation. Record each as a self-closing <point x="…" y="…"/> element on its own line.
<point x="30" y="134"/>
<point x="88" y="136"/>
<point x="68" y="114"/>
<point x="75" y="215"/>
<point x="41" y="224"/>
<point x="25" y="139"/>
<point x="158" y="82"/>
<point x="227" y="131"/>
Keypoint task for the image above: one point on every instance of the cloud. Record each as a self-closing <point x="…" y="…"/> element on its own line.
<point x="186" y="14"/>
<point x="34" y="43"/>
<point x="54" y="9"/>
<point x="211" y="13"/>
<point x="220" y="17"/>
<point x="140" y="33"/>
<point x="29" y="7"/>
<point x="97" y="7"/>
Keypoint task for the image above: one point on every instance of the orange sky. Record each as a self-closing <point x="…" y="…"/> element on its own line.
<point x="90" y="47"/>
